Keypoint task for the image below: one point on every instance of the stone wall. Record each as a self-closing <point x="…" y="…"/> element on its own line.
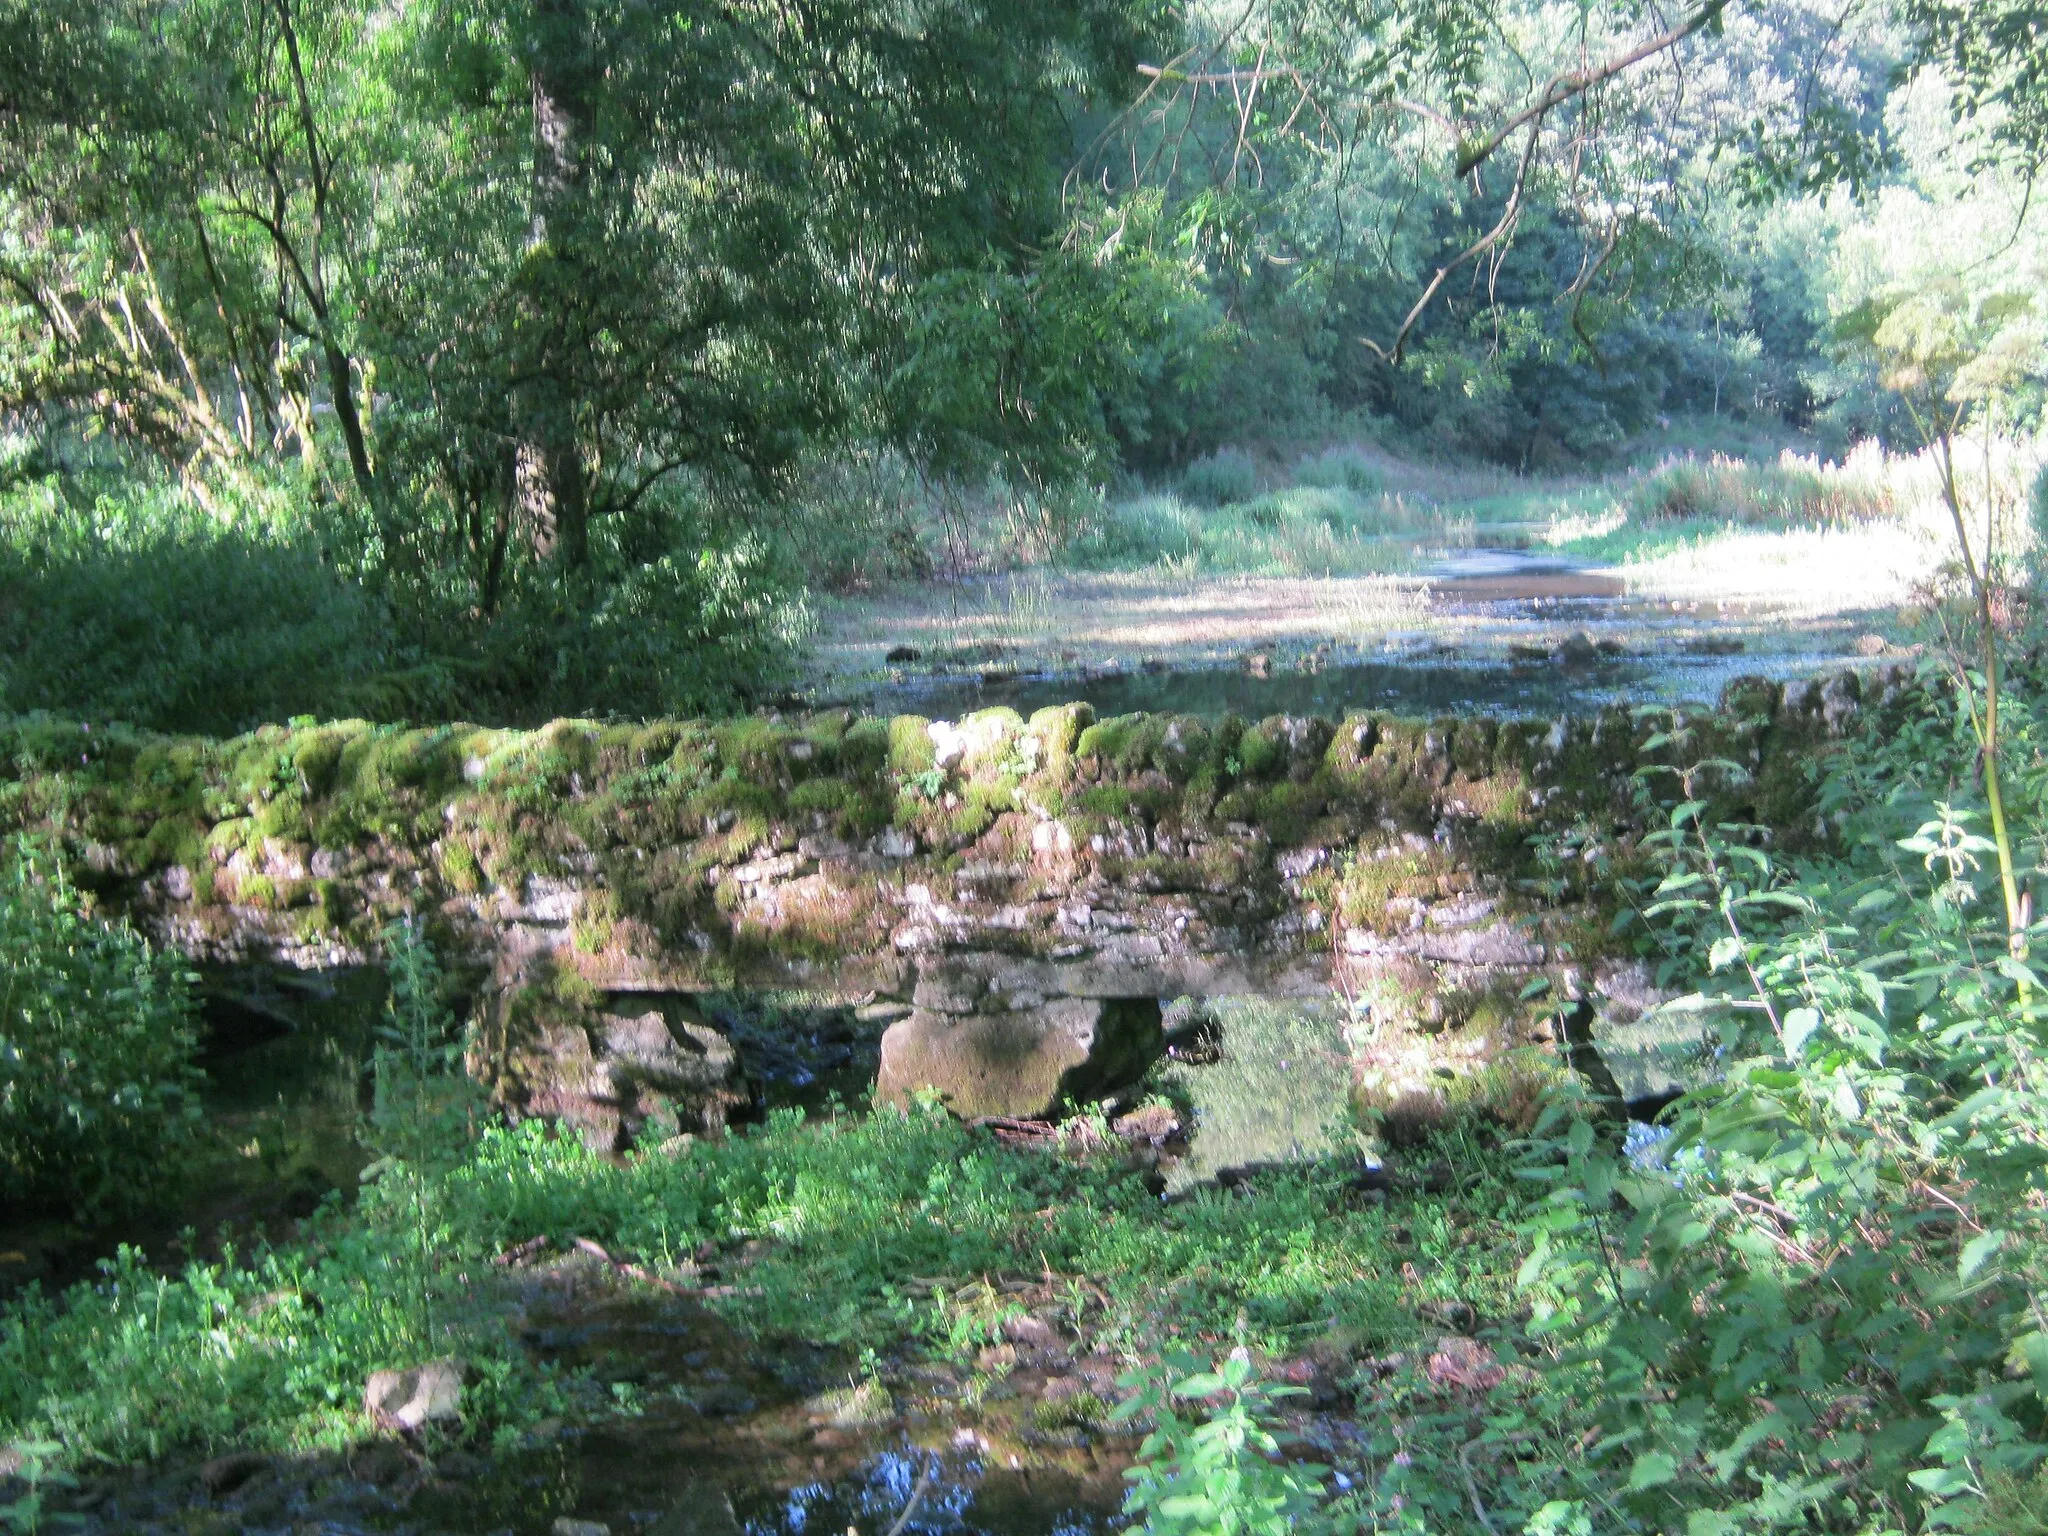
<point x="1027" y="888"/>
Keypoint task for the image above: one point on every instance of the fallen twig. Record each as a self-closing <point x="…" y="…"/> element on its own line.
<point x="635" y="1271"/>
<point x="520" y="1254"/>
<point x="1472" y="1487"/>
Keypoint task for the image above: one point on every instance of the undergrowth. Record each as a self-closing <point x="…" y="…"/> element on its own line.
<point x="143" y="605"/>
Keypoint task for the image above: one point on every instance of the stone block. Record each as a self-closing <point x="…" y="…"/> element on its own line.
<point x="408" y="1399"/>
<point x="1024" y="1064"/>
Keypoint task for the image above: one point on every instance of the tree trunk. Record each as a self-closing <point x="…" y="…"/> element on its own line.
<point x="548" y="488"/>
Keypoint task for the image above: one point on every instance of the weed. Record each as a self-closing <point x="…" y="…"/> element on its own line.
<point x="1220" y="1473"/>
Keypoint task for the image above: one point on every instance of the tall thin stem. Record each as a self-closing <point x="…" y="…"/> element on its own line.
<point x="1987" y="724"/>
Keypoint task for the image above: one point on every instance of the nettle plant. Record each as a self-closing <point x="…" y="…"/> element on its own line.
<point x="1219" y="1474"/>
<point x="1816" y="1304"/>
<point x="99" y="1106"/>
<point x="423" y="1119"/>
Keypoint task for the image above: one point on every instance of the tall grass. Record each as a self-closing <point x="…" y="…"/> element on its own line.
<point x="1790" y="491"/>
<point x="1297" y="531"/>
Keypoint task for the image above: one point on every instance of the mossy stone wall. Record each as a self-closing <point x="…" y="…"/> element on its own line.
<point x="1020" y="860"/>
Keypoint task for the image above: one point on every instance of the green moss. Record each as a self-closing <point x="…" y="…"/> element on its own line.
<point x="1287" y="810"/>
<point x="459" y="866"/>
<point x="1751" y="699"/>
<point x="1371" y="882"/>
<point x="910" y="746"/>
<point x="1240" y="805"/>
<point x="979" y="806"/>
<point x="1104" y="800"/>
<point x="285" y="819"/>
<point x="864" y="749"/>
<point x="751" y="748"/>
<point x="570" y="989"/>
<point x="335" y="901"/>
<point x="735" y="796"/>
<point x="257" y="891"/>
<point x="592" y="930"/>
<point x="830" y="795"/>
<point x="171" y="840"/>
<point x="1117" y="742"/>
<point x="233" y="834"/>
<point x="1261" y="754"/>
<point x="1058" y="729"/>
<point x="1472" y="747"/>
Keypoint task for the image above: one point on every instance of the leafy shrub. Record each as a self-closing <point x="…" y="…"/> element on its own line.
<point x="2037" y="511"/>
<point x="97" y="1040"/>
<point x="146" y="608"/>
<point x="149" y="608"/>
<point x="1341" y="468"/>
<point x="679" y="634"/>
<point x="265" y="1352"/>
<point x="861" y="518"/>
<point x="1220" y="1475"/>
<point x="1791" y="490"/>
<point x="1818" y="1309"/>
<point x="1220" y="478"/>
<point x="1141" y="531"/>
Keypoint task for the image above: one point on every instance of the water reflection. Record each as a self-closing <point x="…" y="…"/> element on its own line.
<point x="953" y="1496"/>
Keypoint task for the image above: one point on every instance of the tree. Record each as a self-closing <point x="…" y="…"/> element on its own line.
<point x="528" y="264"/>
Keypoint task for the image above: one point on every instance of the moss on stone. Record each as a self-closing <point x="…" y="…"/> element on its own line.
<point x="910" y="746"/>
<point x="459" y="867"/>
<point x="657" y="806"/>
<point x="1058" y="730"/>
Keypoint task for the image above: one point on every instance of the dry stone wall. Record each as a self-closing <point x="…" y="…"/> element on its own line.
<point x="1027" y="889"/>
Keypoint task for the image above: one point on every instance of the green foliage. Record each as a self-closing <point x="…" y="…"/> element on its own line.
<point x="1218" y="479"/>
<point x="845" y="1209"/>
<point x="1295" y="531"/>
<point x="424" y="1113"/>
<point x="1814" y="1308"/>
<point x="143" y="605"/>
<point x="25" y="1514"/>
<point x="268" y="1352"/>
<point x="828" y="1219"/>
<point x="1341" y="468"/>
<point x="1791" y="492"/>
<point x="1144" y="530"/>
<point x="1219" y="1475"/>
<point x="97" y="1041"/>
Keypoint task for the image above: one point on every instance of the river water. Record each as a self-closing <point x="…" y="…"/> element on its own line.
<point x="1507" y="613"/>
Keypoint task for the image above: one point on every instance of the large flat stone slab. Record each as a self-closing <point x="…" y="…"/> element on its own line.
<point x="1022" y="1063"/>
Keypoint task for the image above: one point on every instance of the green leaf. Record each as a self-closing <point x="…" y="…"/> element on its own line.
<point x="1652" y="1469"/>
<point x="1978" y="1252"/>
<point x="1725" y="951"/>
<point x="1942" y="1482"/>
<point x="1843" y="1100"/>
<point x="1800" y="1024"/>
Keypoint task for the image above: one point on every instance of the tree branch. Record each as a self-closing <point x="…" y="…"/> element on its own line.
<point x="1564" y="87"/>
<point x="1393" y="354"/>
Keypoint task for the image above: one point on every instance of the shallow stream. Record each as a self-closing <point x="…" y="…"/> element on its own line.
<point x="1510" y="632"/>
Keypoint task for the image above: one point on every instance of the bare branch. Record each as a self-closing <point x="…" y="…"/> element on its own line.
<point x="1564" y="87"/>
<point x="1486" y="242"/>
